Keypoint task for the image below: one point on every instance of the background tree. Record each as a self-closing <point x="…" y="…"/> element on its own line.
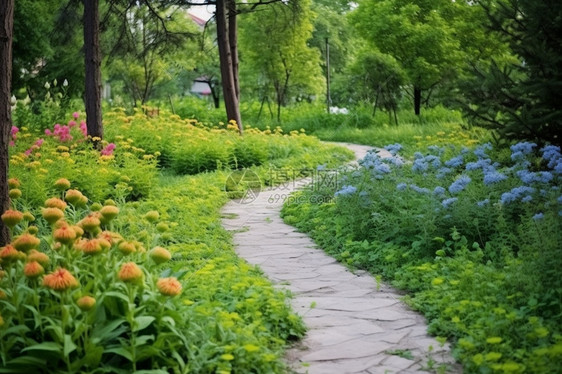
<point x="521" y="100"/>
<point x="6" y="34"/>
<point x="92" y="63"/>
<point x="417" y="35"/>
<point x="152" y="47"/>
<point x="274" y="44"/>
<point x="377" y="78"/>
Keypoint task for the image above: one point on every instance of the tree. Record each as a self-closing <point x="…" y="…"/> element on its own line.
<point x="92" y="62"/>
<point x="417" y="34"/>
<point x="521" y="100"/>
<point x="283" y="61"/>
<point x="151" y="48"/>
<point x="6" y="35"/>
<point x="377" y="78"/>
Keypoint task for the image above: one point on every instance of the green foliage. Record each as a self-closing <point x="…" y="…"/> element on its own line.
<point x="519" y="98"/>
<point x="474" y="235"/>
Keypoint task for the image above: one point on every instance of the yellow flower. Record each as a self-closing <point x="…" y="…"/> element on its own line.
<point x="86" y="302"/>
<point x="494" y="340"/>
<point x="160" y="255"/>
<point x="25" y="242"/>
<point x="15" y="193"/>
<point x="227" y="357"/>
<point x="437" y="281"/>
<point x="52" y="215"/>
<point x="109" y="212"/>
<point x="126" y="247"/>
<point x="62" y="184"/>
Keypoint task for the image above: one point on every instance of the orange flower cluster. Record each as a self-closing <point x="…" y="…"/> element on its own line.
<point x="130" y="272"/>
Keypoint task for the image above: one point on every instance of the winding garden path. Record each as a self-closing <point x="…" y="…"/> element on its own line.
<point x="354" y="324"/>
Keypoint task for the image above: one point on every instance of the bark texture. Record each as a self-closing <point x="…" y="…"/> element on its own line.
<point x="6" y="36"/>
<point x="92" y="61"/>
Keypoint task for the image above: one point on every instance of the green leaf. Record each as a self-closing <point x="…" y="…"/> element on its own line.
<point x="110" y="331"/>
<point x="47" y="346"/>
<point x="143" y="339"/>
<point x="69" y="345"/>
<point x="143" y="322"/>
<point x="155" y="371"/>
<point x="121" y="351"/>
<point x="27" y="363"/>
<point x="118" y="295"/>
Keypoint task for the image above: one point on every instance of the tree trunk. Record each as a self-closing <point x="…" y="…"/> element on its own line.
<point x="233" y="44"/>
<point x="417" y="100"/>
<point x="6" y="34"/>
<point x="226" y="65"/>
<point x="92" y="63"/>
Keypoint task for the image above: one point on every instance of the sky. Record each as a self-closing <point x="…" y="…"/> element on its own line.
<point x="203" y="11"/>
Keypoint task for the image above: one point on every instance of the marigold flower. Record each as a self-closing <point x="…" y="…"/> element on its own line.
<point x="12" y="217"/>
<point x="90" y="223"/>
<point x="90" y="247"/>
<point x="14" y="183"/>
<point x="73" y="196"/>
<point x="160" y="255"/>
<point x="130" y="272"/>
<point x="152" y="216"/>
<point x="33" y="269"/>
<point x="40" y="257"/>
<point x="15" y="193"/>
<point x="28" y="217"/>
<point x="169" y="286"/>
<point x="111" y="237"/>
<point x="62" y="184"/>
<point x="86" y="303"/>
<point x="60" y="280"/>
<point x="9" y="253"/>
<point x="104" y="243"/>
<point x="78" y="230"/>
<point x="65" y="235"/>
<point x="52" y="215"/>
<point x="95" y="207"/>
<point x="55" y="202"/>
<point x="109" y="212"/>
<point x="83" y="201"/>
<point x="25" y="242"/>
<point x="126" y="247"/>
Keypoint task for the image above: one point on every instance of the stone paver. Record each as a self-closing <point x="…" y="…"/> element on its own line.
<point x="354" y="324"/>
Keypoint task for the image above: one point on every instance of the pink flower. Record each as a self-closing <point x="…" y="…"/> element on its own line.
<point x="48" y="132"/>
<point x="75" y="115"/>
<point x="71" y="123"/>
<point x="28" y="152"/>
<point x="108" y="150"/>
<point x="39" y="142"/>
<point x="83" y="128"/>
<point x="14" y="130"/>
<point x="12" y="143"/>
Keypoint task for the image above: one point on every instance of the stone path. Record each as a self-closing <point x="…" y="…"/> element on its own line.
<point x="354" y="324"/>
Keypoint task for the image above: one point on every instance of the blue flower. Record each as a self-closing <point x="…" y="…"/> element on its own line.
<point x="455" y="162"/>
<point x="507" y="197"/>
<point x="493" y="177"/>
<point x="516" y="193"/>
<point x="480" y="151"/>
<point x="523" y="147"/>
<point x="382" y="168"/>
<point x="484" y="164"/>
<point x="483" y="202"/>
<point x="394" y="148"/>
<point x="439" y="191"/>
<point x="419" y="189"/>
<point x="443" y="172"/>
<point x="448" y="201"/>
<point x="434" y="161"/>
<point x="321" y="167"/>
<point x="420" y="165"/>
<point x="526" y="199"/>
<point x="418" y="155"/>
<point x="436" y="149"/>
<point x="538" y="216"/>
<point x="459" y="184"/>
<point x="346" y="191"/>
<point x="551" y="154"/>
<point x="528" y="177"/>
<point x="397" y="161"/>
<point x="401" y="186"/>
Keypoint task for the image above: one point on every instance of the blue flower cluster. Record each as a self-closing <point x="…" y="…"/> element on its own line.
<point x="516" y="194"/>
<point x="459" y="184"/>
<point x="346" y="191"/>
<point x="394" y="148"/>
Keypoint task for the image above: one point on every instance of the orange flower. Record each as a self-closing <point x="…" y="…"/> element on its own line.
<point x="13" y="183"/>
<point x="25" y="242"/>
<point x="55" y="202"/>
<point x="160" y="255"/>
<point x="32" y="230"/>
<point x="65" y="234"/>
<point x="62" y="184"/>
<point x="169" y="286"/>
<point x="52" y="215"/>
<point x="90" y="223"/>
<point x="40" y="257"/>
<point x="28" y="217"/>
<point x="86" y="302"/>
<point x="109" y="212"/>
<point x="33" y="269"/>
<point x="73" y="196"/>
<point x="90" y="247"/>
<point x="12" y="217"/>
<point x="111" y="237"/>
<point x="104" y="243"/>
<point x="78" y="230"/>
<point x="60" y="280"/>
<point x="130" y="272"/>
<point x="126" y="247"/>
<point x="9" y="253"/>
